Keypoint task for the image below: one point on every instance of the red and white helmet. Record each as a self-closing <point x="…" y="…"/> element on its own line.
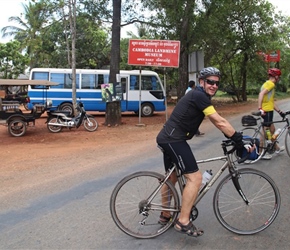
<point x="274" y="72"/>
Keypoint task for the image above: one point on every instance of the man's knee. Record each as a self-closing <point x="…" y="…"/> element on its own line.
<point x="195" y="178"/>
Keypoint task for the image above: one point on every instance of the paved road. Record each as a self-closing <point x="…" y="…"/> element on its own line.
<point x="78" y="217"/>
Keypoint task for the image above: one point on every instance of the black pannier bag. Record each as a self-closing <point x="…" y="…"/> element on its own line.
<point x="249" y="120"/>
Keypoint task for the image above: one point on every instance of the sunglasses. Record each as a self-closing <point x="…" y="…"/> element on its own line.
<point x="212" y="82"/>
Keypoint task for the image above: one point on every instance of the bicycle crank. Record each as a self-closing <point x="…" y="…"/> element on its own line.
<point x="194" y="214"/>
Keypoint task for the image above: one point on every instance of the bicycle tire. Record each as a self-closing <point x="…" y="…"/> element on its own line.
<point x="287" y="142"/>
<point x="254" y="133"/>
<point x="129" y="202"/>
<point x="238" y="217"/>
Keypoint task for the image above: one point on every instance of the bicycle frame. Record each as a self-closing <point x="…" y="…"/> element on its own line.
<point x="270" y="147"/>
<point x="182" y="181"/>
<point x="246" y="201"/>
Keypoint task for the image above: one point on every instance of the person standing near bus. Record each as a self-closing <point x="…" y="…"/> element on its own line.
<point x="191" y="86"/>
<point x="267" y="105"/>
<point x="172" y="140"/>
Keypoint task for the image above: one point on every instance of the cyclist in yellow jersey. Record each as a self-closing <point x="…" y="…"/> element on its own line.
<point x="267" y="104"/>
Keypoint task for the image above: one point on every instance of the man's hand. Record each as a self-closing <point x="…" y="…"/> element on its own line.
<point x="282" y="114"/>
<point x="237" y="137"/>
<point x="262" y="111"/>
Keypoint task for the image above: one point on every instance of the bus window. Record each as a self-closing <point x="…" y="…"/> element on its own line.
<point x="89" y="81"/>
<point x="59" y="78"/>
<point x="40" y="76"/>
<point x="68" y="81"/>
<point x="101" y="79"/>
<point x="64" y="80"/>
<point x="148" y="83"/>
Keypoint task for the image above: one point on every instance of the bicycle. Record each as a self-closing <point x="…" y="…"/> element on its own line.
<point x="265" y="145"/>
<point x="246" y="201"/>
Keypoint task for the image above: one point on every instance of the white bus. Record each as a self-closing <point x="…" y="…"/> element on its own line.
<point x="90" y="89"/>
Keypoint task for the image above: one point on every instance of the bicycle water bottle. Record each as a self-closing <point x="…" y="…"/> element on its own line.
<point x="268" y="134"/>
<point x="205" y="178"/>
<point x="275" y="135"/>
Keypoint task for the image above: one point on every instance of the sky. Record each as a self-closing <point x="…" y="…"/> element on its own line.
<point x="14" y="8"/>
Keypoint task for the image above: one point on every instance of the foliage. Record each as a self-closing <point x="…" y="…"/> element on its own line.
<point x="12" y="62"/>
<point x="229" y="32"/>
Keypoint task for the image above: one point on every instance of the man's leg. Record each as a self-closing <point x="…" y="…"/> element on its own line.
<point x="193" y="182"/>
<point x="166" y="196"/>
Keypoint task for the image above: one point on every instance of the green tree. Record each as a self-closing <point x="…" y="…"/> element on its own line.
<point x="12" y="62"/>
<point x="233" y="39"/>
<point x="29" y="28"/>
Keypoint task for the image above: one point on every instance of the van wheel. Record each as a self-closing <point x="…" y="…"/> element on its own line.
<point x="67" y="107"/>
<point x="147" y="109"/>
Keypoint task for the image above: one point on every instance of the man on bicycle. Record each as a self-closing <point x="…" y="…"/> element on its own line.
<point x="267" y="104"/>
<point x="182" y="125"/>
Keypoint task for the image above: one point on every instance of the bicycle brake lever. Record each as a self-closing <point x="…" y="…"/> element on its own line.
<point x="241" y="160"/>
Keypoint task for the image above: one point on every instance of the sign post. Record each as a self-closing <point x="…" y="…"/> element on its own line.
<point x="158" y="53"/>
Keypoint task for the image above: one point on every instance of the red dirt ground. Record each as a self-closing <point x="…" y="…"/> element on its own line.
<point x="40" y="155"/>
<point x="105" y="136"/>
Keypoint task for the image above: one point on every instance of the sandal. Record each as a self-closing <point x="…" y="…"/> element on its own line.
<point x="163" y="220"/>
<point x="188" y="229"/>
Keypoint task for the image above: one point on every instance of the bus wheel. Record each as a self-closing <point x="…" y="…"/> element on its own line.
<point x="147" y="109"/>
<point x="67" y="107"/>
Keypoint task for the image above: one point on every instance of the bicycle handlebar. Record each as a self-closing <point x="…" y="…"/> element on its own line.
<point x="230" y="143"/>
<point x="258" y="113"/>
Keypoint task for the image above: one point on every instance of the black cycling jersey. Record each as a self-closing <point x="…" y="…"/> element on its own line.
<point x="185" y="118"/>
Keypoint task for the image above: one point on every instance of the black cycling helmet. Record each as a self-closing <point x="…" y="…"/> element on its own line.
<point x="274" y="72"/>
<point x="209" y="71"/>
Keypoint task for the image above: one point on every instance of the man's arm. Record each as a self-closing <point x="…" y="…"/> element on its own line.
<point x="261" y="96"/>
<point x="222" y="124"/>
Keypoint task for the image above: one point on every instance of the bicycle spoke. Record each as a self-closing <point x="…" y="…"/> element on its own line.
<point x="131" y="210"/>
<point x="264" y="202"/>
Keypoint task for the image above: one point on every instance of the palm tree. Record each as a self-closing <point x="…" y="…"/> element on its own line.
<point x="29" y="29"/>
<point x="143" y="32"/>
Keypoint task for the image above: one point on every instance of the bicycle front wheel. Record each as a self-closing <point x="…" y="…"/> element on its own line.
<point x="136" y="204"/>
<point x="287" y="142"/>
<point x="256" y="135"/>
<point x="232" y="211"/>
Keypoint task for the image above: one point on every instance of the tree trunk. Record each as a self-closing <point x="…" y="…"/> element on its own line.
<point x="113" y="113"/>
<point x="113" y="109"/>
<point x="184" y="50"/>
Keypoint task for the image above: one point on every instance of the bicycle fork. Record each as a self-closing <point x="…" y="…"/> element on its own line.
<point x="235" y="179"/>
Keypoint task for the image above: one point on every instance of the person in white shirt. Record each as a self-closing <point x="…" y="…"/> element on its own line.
<point x="191" y="86"/>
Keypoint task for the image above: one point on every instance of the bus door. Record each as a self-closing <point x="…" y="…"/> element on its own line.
<point x="122" y="91"/>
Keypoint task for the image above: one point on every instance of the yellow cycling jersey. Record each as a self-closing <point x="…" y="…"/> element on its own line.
<point x="268" y="99"/>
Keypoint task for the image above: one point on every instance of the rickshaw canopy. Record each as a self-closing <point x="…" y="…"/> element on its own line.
<point x="16" y="82"/>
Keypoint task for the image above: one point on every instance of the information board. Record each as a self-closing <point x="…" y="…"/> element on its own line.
<point x="160" y="53"/>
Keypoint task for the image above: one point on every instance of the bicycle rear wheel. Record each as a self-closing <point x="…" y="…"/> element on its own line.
<point x="131" y="209"/>
<point x="256" y="135"/>
<point x="241" y="218"/>
<point x="287" y="142"/>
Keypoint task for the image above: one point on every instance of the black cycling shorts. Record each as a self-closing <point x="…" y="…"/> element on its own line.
<point x="268" y="117"/>
<point x="179" y="153"/>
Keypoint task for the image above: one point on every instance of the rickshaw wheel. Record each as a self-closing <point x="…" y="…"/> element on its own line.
<point x="17" y="127"/>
